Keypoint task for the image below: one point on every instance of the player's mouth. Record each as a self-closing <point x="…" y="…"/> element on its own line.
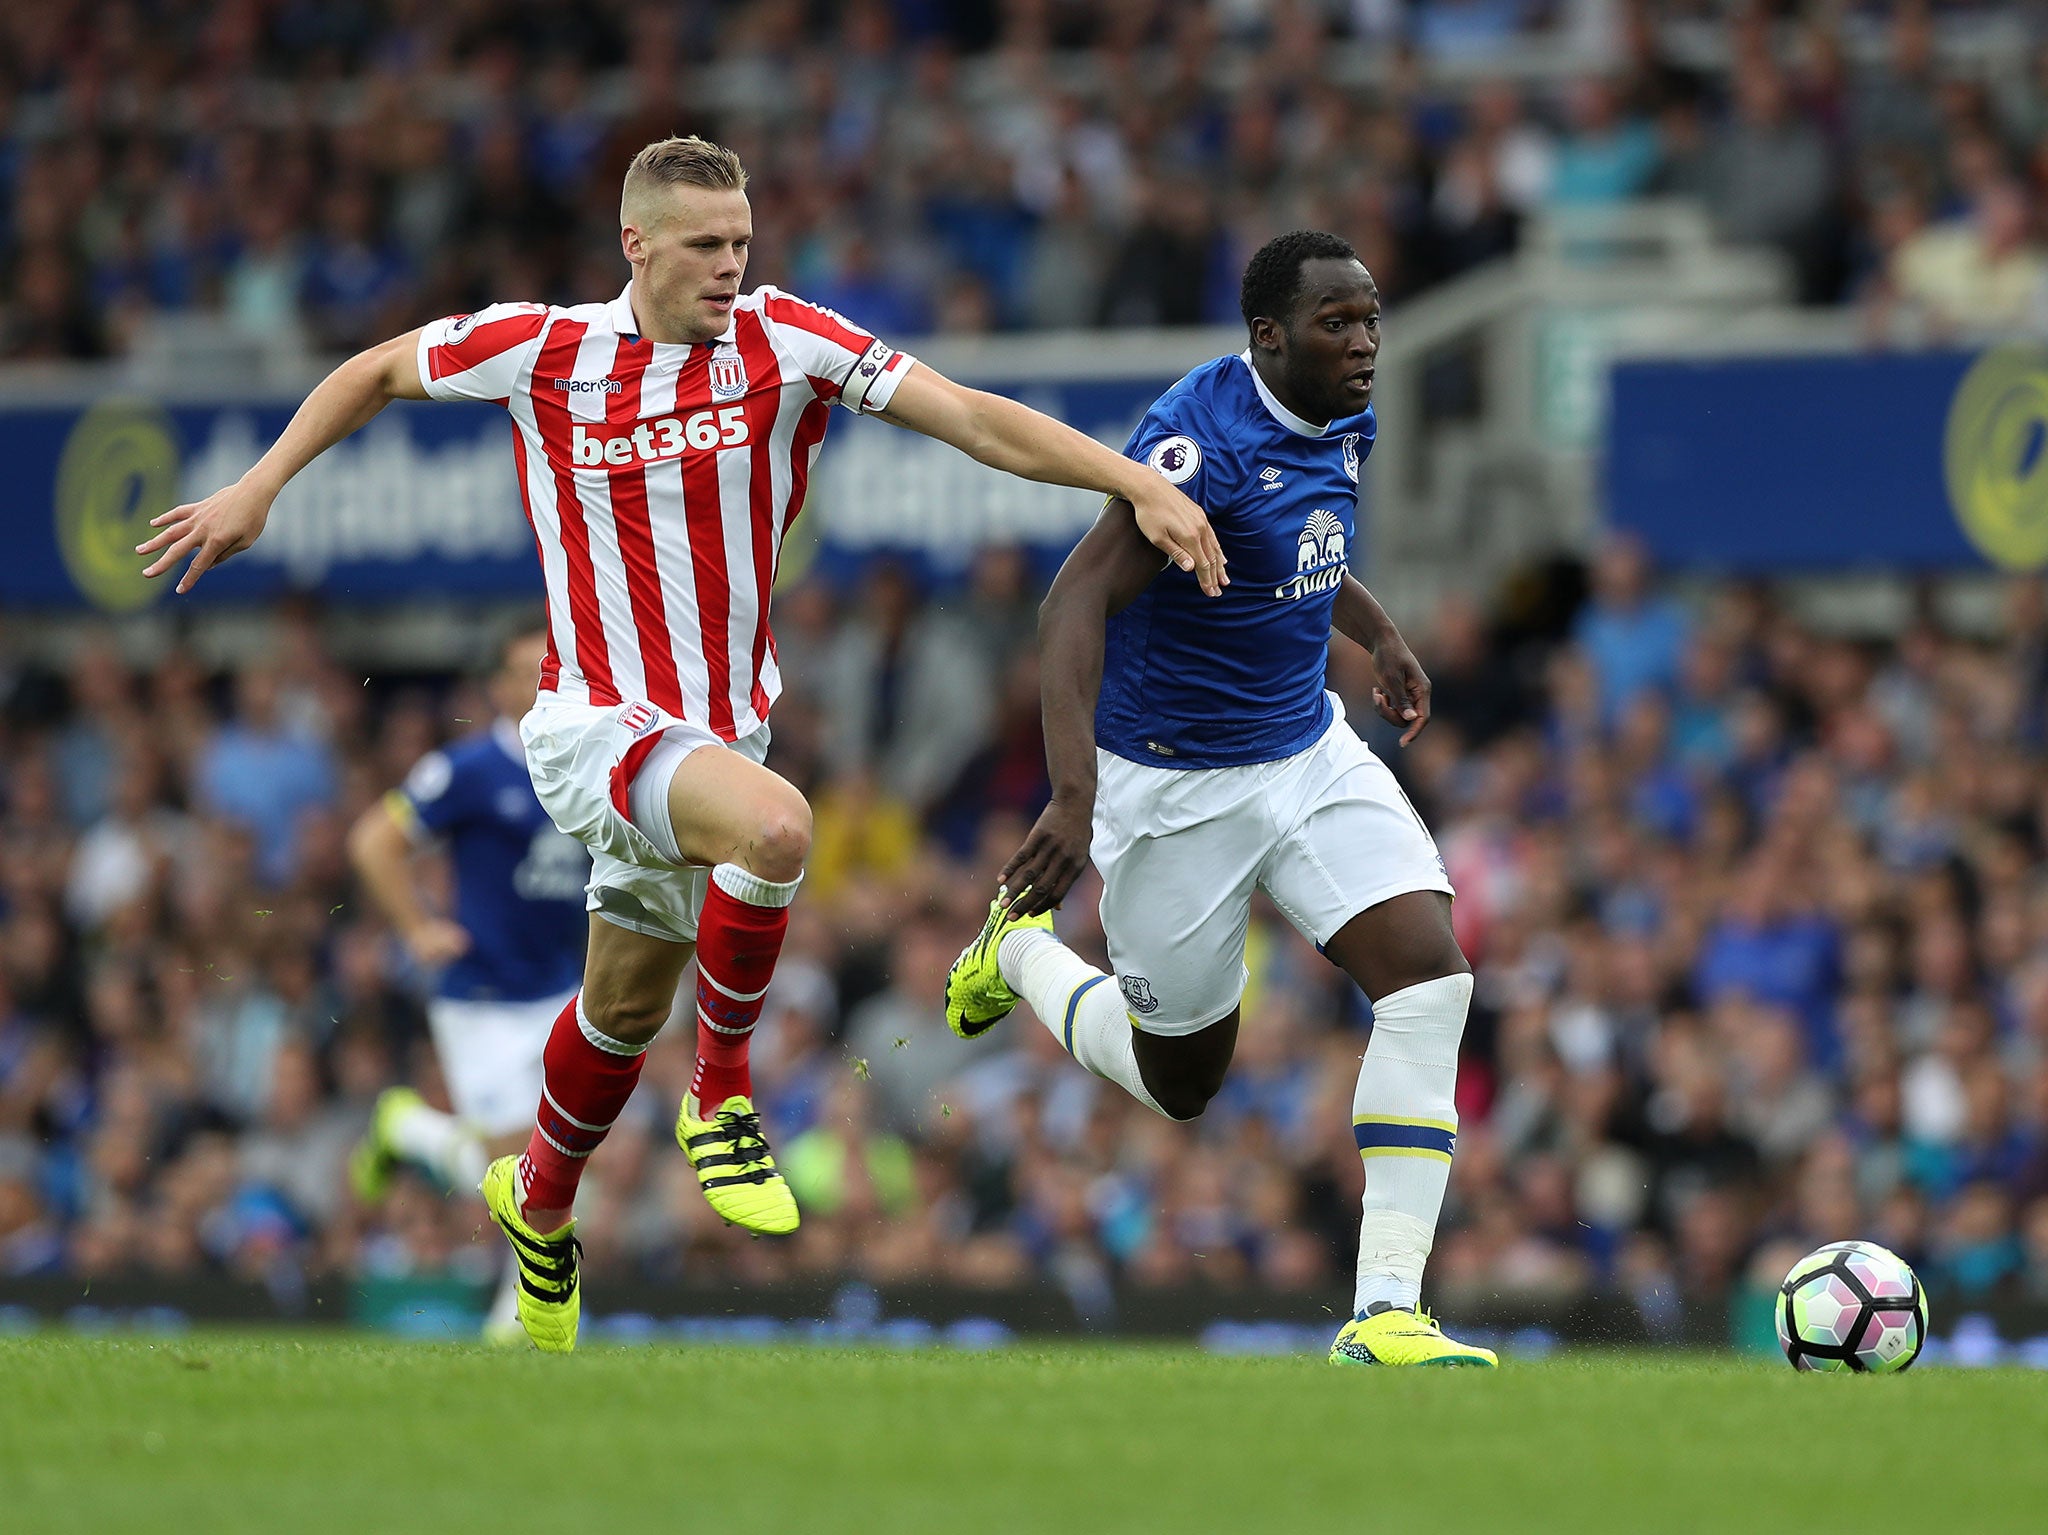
<point x="722" y="302"/>
<point x="1359" y="383"/>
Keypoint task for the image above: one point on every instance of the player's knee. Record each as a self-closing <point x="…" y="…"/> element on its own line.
<point x="781" y="840"/>
<point x="629" y="1020"/>
<point x="1181" y="1101"/>
<point x="1444" y="964"/>
<point x="1183" y="1093"/>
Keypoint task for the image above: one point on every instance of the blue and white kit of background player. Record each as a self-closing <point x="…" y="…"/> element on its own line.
<point x="519" y="893"/>
<point x="1223" y="765"/>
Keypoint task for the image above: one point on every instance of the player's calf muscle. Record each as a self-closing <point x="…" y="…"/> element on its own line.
<point x="629" y="982"/>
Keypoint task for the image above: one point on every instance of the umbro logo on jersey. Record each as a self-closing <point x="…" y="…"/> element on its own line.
<point x="646" y="442"/>
<point x="1270" y="477"/>
<point x="589" y="385"/>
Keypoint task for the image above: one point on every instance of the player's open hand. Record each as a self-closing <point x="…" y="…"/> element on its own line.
<point x="437" y="942"/>
<point x="1402" y="696"/>
<point x="221" y="526"/>
<point x="1044" y="869"/>
<point x="1180" y="530"/>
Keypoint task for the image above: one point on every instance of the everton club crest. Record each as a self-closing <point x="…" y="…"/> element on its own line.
<point x="1351" y="456"/>
<point x="728" y="374"/>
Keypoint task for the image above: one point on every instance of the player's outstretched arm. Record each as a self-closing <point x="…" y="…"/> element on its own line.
<point x="1021" y="441"/>
<point x="381" y="850"/>
<point x="1402" y="696"/>
<point x="229" y="520"/>
<point x="1108" y="568"/>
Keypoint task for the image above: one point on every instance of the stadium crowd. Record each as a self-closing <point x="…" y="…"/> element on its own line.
<point x="331" y="174"/>
<point x="1761" y="945"/>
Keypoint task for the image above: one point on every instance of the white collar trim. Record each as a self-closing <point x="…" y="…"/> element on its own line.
<point x="1280" y="413"/>
<point x="620" y="313"/>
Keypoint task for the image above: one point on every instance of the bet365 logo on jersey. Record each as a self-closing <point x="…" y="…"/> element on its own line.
<point x="647" y="442"/>
<point x="1318" y="557"/>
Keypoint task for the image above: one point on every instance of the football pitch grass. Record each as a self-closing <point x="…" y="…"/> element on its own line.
<point x="221" y="1433"/>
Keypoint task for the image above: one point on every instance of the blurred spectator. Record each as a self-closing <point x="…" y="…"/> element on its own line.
<point x="258" y="773"/>
<point x="1769" y="179"/>
<point x="909" y="691"/>
<point x="1604" y="155"/>
<point x="354" y="284"/>
<point x="1978" y="274"/>
<point x="1160" y="273"/>
<point x="1633" y="637"/>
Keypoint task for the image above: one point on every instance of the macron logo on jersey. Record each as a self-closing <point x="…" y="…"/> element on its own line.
<point x="648" y="442"/>
<point x="589" y="385"/>
<point x="1318" y="558"/>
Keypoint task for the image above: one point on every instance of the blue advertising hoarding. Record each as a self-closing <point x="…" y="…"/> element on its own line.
<point x="425" y="501"/>
<point x="1923" y="461"/>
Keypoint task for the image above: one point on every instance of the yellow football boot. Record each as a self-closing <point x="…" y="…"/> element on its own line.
<point x="977" y="996"/>
<point x="373" y="1161"/>
<point x="1397" y="1336"/>
<point x="550" y="1298"/>
<point x="735" y="1167"/>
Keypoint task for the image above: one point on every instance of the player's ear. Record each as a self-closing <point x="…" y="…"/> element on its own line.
<point x="634" y="244"/>
<point x="1266" y="334"/>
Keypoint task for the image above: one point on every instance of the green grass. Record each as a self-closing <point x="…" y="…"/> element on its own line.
<point x="223" y="1433"/>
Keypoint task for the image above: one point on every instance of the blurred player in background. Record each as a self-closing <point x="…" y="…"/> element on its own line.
<point x="508" y="956"/>
<point x="1196" y="747"/>
<point x="664" y="442"/>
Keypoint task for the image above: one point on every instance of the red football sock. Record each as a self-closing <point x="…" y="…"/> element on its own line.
<point x="585" y="1082"/>
<point x="739" y="938"/>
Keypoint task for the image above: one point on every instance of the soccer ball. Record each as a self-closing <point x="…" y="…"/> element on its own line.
<point x="1851" y="1306"/>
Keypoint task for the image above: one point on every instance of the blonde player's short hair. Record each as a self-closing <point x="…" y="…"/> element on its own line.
<point x="684" y="162"/>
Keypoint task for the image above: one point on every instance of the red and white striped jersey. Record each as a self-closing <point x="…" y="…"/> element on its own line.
<point x="660" y="480"/>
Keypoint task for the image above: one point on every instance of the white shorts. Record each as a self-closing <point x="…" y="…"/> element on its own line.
<point x="490" y="1057"/>
<point x="1326" y="833"/>
<point x="582" y="758"/>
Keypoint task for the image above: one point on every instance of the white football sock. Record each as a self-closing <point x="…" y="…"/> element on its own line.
<point x="1080" y="1004"/>
<point x="1405" y="1119"/>
<point x="504" y="1312"/>
<point x="441" y="1143"/>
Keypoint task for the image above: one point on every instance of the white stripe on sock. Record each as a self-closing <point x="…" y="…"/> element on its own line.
<point x="564" y="1150"/>
<point x="719" y="1028"/>
<point x="726" y="991"/>
<point x="555" y="1104"/>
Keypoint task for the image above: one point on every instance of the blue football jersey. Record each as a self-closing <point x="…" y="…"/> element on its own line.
<point x="518" y="881"/>
<point x="1190" y="681"/>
